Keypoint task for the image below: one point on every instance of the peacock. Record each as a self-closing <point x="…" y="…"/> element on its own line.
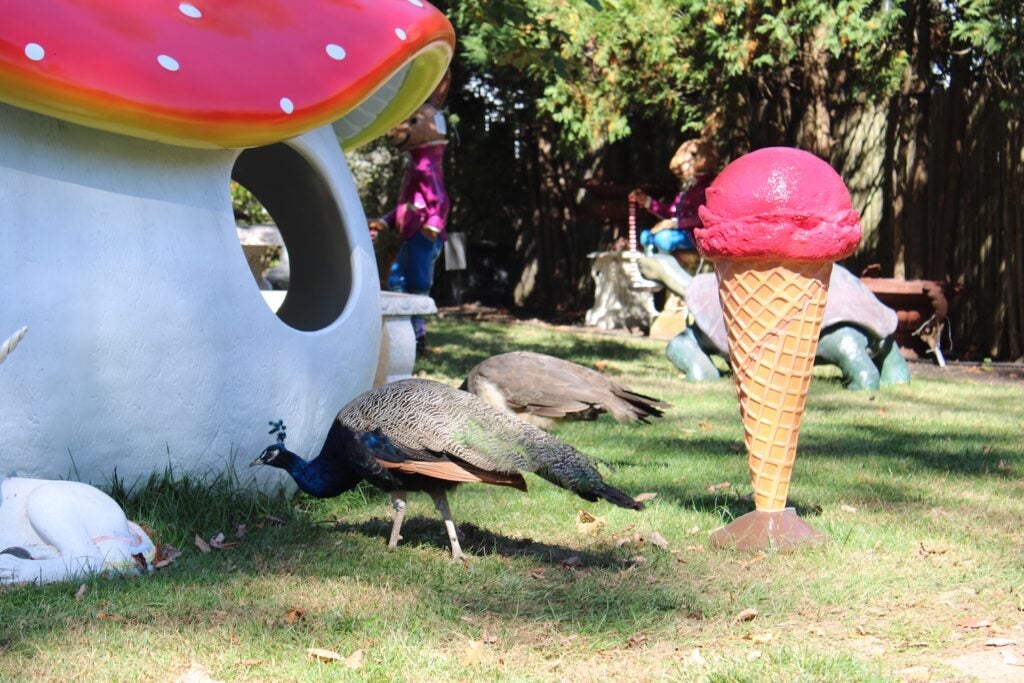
<point x="541" y="389"/>
<point x="421" y="435"/>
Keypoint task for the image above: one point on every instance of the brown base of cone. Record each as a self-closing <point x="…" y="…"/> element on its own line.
<point x="763" y="530"/>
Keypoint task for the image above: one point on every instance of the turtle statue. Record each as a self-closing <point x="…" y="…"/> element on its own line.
<point x="856" y="333"/>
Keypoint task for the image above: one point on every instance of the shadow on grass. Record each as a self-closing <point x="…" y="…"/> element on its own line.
<point x="457" y="347"/>
<point x="479" y="542"/>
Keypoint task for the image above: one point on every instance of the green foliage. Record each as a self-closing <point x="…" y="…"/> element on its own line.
<point x="248" y="209"/>
<point x="596" y="66"/>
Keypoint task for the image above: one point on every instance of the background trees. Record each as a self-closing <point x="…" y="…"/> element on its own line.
<point x="562" y="106"/>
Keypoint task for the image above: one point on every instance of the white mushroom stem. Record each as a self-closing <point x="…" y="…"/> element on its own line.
<point x="9" y="345"/>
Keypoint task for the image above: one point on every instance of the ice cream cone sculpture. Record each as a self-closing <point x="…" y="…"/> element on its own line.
<point x="774" y="222"/>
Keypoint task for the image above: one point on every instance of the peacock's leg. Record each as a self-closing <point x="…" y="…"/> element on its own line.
<point x="398" y="505"/>
<point x="441" y="503"/>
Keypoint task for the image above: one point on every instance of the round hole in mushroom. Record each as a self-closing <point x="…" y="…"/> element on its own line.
<point x="297" y="247"/>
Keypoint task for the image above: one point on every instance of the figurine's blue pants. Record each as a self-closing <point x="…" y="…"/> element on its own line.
<point x="413" y="271"/>
<point x="669" y="240"/>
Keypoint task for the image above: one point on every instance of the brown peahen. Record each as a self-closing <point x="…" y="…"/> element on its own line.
<point x="420" y="435"/>
<point x="541" y="388"/>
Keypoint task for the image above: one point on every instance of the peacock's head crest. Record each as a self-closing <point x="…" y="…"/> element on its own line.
<point x="274" y="455"/>
<point x="277" y="427"/>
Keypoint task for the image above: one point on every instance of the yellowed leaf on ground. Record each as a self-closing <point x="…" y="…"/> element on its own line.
<point x="719" y="487"/>
<point x="587" y="523"/>
<point x="355" y="660"/>
<point x="644" y="497"/>
<point x="323" y="655"/>
<point x="538" y="573"/>
<point x="975" y="622"/>
<point x="705" y="426"/>
<point x="474" y="654"/>
<point x="80" y="593"/>
<point x="848" y="508"/>
<point x="203" y="546"/>
<point x="294" y="615"/>
<point x="764" y="637"/>
<point x="249" y="662"/>
<point x="655" y="538"/>
<point x="601" y="365"/>
<point x="195" y="673"/>
<point x="747" y="615"/>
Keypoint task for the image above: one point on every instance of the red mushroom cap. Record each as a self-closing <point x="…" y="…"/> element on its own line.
<point x="229" y="73"/>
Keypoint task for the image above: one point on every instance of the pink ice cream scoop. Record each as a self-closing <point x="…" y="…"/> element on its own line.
<point x="778" y="204"/>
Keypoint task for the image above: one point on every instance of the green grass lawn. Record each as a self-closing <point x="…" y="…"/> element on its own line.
<point x="919" y="489"/>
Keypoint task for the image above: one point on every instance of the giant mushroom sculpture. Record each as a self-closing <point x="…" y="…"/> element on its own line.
<point x="121" y="127"/>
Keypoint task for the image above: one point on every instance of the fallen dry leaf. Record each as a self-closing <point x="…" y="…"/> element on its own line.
<point x="573" y="562"/>
<point x="537" y="573"/>
<point x="141" y="562"/>
<point x="705" y="426"/>
<point x="975" y="622"/>
<point x="644" y="497"/>
<point x="654" y="538"/>
<point x="1011" y="659"/>
<point x="696" y="658"/>
<point x="745" y="564"/>
<point x="249" y="662"/>
<point x="203" y="546"/>
<point x="1004" y="466"/>
<point x="219" y="543"/>
<point x="1000" y="642"/>
<point x="601" y="365"/>
<point x="719" y="487"/>
<point x="271" y="519"/>
<point x="848" y="508"/>
<point x="354" y="660"/>
<point x="924" y="550"/>
<point x="753" y="655"/>
<point x="195" y="673"/>
<point x="294" y="615"/>
<point x="80" y="593"/>
<point x="322" y="655"/>
<point x="103" y="616"/>
<point x="747" y="614"/>
<point x="165" y="555"/>
<point x="587" y="523"/>
<point x="759" y="637"/>
<point x="240" y="531"/>
<point x="638" y="639"/>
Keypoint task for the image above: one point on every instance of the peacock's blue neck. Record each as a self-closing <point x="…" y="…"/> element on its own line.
<point x="324" y="476"/>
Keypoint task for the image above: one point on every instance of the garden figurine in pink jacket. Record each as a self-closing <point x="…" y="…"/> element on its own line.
<point x="422" y="210"/>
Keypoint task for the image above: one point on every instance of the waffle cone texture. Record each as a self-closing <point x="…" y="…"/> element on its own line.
<point x="773" y="313"/>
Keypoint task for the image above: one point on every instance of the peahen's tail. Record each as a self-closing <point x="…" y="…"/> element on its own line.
<point x="613" y="495"/>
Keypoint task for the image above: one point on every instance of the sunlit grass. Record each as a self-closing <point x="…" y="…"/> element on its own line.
<point x="919" y="489"/>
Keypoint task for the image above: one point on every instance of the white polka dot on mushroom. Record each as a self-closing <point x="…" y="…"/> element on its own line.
<point x="190" y="11"/>
<point x="402" y="35"/>
<point x="168" y="62"/>
<point x="287" y="106"/>
<point x="335" y="51"/>
<point x="416" y="2"/>
<point x="34" y="51"/>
